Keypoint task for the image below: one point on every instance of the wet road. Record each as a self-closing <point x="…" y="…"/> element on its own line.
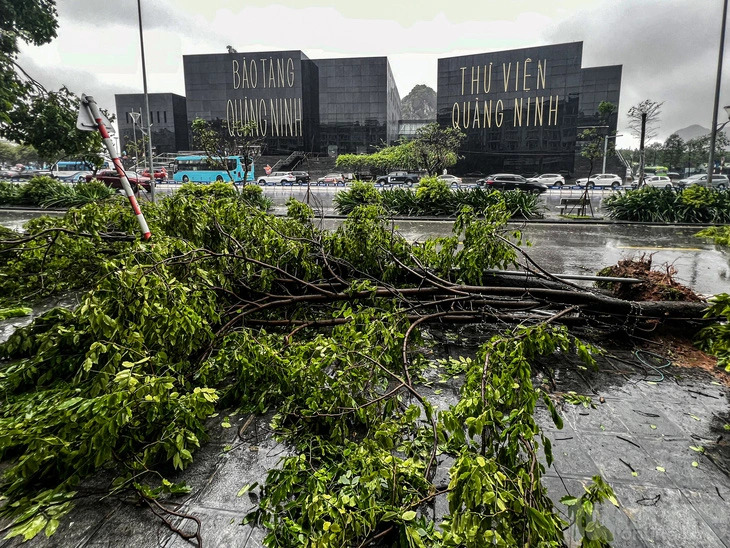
<point x="577" y="248"/>
<point x="560" y="247"/>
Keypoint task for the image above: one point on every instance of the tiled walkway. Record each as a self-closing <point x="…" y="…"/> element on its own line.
<point x="639" y="439"/>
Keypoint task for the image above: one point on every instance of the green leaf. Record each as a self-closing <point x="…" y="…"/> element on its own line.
<point x="660" y="469"/>
<point x="408" y="515"/>
<point x="697" y="448"/>
<point x="569" y="501"/>
<point x="695" y="463"/>
<point x="246" y="488"/>
<point x="51" y="527"/>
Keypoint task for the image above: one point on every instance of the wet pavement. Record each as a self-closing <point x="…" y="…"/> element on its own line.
<point x="662" y="445"/>
<point x="663" y="448"/>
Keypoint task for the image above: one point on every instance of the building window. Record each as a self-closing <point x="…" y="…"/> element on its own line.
<point x="164" y="113"/>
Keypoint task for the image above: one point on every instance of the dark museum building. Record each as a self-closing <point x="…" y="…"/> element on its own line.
<point x="169" y="121"/>
<point x="522" y="110"/>
<point x="323" y="106"/>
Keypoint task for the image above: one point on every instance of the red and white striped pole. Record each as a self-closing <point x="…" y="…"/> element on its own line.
<point x="90" y="104"/>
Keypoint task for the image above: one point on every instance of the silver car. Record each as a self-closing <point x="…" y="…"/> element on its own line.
<point x="719" y="181"/>
<point x="602" y="180"/>
<point x="659" y="181"/>
<point x="450" y="179"/>
<point x="550" y="179"/>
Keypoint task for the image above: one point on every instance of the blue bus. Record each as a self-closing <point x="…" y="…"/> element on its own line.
<point x="202" y="169"/>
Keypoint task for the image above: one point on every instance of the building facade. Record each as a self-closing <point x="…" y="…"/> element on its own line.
<point x="523" y="110"/>
<point x="296" y="104"/>
<point x="359" y="105"/>
<point x="168" y="113"/>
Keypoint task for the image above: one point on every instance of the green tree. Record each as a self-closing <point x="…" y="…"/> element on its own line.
<point x="218" y="141"/>
<point x="655" y="154"/>
<point x="698" y="149"/>
<point x="29" y="113"/>
<point x="400" y="156"/>
<point x="673" y="150"/>
<point x="433" y="149"/>
<point x="10" y="153"/>
<point x="437" y="148"/>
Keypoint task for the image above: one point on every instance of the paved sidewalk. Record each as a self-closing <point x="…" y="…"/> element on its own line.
<point x="639" y="439"/>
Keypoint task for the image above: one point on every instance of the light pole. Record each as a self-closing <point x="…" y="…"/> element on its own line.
<point x="605" y="149"/>
<point x="713" y="134"/>
<point x="147" y="104"/>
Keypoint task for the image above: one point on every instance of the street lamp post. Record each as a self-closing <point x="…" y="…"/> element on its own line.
<point x="147" y="104"/>
<point x="713" y="134"/>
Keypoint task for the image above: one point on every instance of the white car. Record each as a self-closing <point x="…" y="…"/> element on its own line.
<point x="550" y="179"/>
<point x="450" y="179"/>
<point x="78" y="177"/>
<point x="659" y="181"/>
<point x="278" y="177"/>
<point x="602" y="180"/>
<point x="719" y="181"/>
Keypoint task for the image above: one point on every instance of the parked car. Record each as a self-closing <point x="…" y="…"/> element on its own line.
<point x="332" y="179"/>
<point x="277" y="177"/>
<point x="25" y="172"/>
<point x="78" y="177"/>
<point x="450" y="179"/>
<point x="719" y="181"/>
<point x="111" y="179"/>
<point x="399" y="177"/>
<point x="674" y="176"/>
<point x="510" y="181"/>
<point x="601" y="180"/>
<point x="160" y="173"/>
<point x="8" y="174"/>
<point x="550" y="179"/>
<point x="659" y="181"/>
<point x="302" y="177"/>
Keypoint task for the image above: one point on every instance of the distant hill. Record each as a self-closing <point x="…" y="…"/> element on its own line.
<point x="692" y="132"/>
<point x="419" y="104"/>
<point x="696" y="130"/>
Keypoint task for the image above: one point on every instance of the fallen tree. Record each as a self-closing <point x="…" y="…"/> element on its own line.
<point x="229" y="306"/>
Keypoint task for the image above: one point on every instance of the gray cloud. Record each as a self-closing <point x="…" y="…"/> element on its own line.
<point x="155" y="15"/>
<point x="668" y="50"/>
<point x="78" y="81"/>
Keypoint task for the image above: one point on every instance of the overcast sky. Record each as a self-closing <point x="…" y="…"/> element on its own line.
<point x="668" y="48"/>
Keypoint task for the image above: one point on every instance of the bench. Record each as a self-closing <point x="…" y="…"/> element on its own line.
<point x="570" y="204"/>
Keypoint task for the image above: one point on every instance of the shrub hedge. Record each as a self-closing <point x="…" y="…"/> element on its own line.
<point x="435" y="198"/>
<point x="695" y="204"/>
